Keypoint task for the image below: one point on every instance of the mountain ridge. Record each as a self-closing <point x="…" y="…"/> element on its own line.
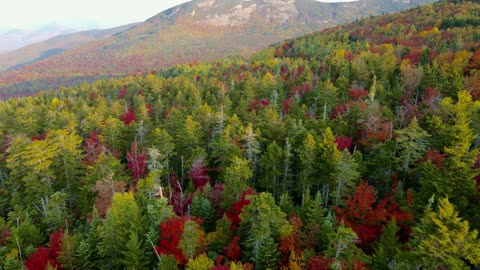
<point x="57" y="44"/>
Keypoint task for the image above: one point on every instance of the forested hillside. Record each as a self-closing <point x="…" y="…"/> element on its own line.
<point x="199" y="30"/>
<point x="353" y="148"/>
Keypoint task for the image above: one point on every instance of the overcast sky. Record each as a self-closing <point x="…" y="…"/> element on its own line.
<point x="79" y="13"/>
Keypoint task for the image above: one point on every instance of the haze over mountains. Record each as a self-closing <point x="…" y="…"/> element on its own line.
<point x="12" y="39"/>
<point x="54" y="45"/>
<point x="199" y="30"/>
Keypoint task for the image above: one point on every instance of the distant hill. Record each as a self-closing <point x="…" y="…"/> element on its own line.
<point x="38" y="51"/>
<point x="13" y="39"/>
<point x="195" y="31"/>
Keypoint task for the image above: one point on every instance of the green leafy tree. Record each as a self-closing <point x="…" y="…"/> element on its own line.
<point x="318" y="230"/>
<point x="202" y="208"/>
<point x="68" y="161"/>
<point x="386" y="250"/>
<point x="223" y="149"/>
<point x="455" y="178"/>
<point x="236" y="177"/>
<point x="133" y="254"/>
<point x="192" y="238"/>
<point x="329" y="159"/>
<point x="67" y="257"/>
<point x="272" y="167"/>
<point x="343" y="250"/>
<point x="31" y="173"/>
<point x="55" y="213"/>
<point x="443" y="239"/>
<point x="88" y="255"/>
<point x="412" y="143"/>
<point x="307" y="155"/>
<point x="120" y="234"/>
<point x="346" y="176"/>
<point x="201" y="262"/>
<point x="262" y="224"/>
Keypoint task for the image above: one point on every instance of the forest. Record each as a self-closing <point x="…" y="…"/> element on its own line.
<point x="353" y="148"/>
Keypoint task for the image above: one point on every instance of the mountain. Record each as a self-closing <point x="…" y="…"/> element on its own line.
<point x="38" y="51"/>
<point x="13" y="39"/>
<point x="195" y="31"/>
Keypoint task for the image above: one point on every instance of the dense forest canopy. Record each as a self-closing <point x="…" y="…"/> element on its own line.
<point x="353" y="148"/>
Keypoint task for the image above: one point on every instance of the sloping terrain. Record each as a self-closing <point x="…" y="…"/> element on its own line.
<point x="55" y="45"/>
<point x="195" y="31"/>
<point x="12" y="39"/>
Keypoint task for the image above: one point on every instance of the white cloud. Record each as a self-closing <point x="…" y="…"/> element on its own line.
<point x="103" y="13"/>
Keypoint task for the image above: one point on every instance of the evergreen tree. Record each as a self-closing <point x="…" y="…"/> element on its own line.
<point x="121" y="230"/>
<point x="262" y="223"/>
<point x="236" y="177"/>
<point x="307" y="160"/>
<point x="387" y="248"/>
<point x="67" y="257"/>
<point x="443" y="239"/>
<point x="346" y="176"/>
<point x="329" y="158"/>
<point x="456" y="178"/>
<point x="272" y="165"/>
<point x="202" y="208"/>
<point x="412" y="144"/>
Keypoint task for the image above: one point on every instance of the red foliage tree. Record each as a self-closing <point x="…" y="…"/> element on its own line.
<point x="301" y="90"/>
<point x="4" y="237"/>
<point x="286" y="245"/>
<point x="436" y="157"/>
<point x="233" y="250"/>
<point x="44" y="256"/>
<point x="136" y="161"/>
<point x="234" y="214"/>
<point x="258" y="104"/>
<point x="39" y="137"/>
<point x="366" y="219"/>
<point x="343" y="142"/>
<point x="93" y="148"/>
<point x="198" y="173"/>
<point x="178" y="200"/>
<point x="474" y="61"/>
<point x="170" y="236"/>
<point x="319" y="263"/>
<point x="122" y="93"/>
<point x="171" y="233"/>
<point x="430" y="97"/>
<point x="357" y="93"/>
<point x="129" y="117"/>
<point x="286" y="105"/>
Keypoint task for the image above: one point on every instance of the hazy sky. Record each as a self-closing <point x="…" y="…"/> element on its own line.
<point x="79" y="13"/>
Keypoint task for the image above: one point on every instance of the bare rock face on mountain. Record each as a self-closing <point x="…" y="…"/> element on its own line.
<point x="199" y="30"/>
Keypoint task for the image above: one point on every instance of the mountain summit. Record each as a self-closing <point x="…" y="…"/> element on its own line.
<point x="199" y="30"/>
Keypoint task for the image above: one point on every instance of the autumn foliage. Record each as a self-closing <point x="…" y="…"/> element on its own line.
<point x="366" y="217"/>
<point x="47" y="256"/>
<point x="171" y="234"/>
<point x="137" y="162"/>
